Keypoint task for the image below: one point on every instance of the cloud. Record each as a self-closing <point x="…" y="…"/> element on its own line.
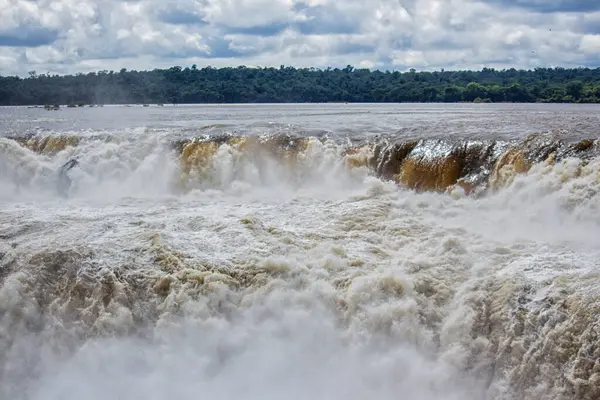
<point x="27" y="36"/>
<point x="333" y="18"/>
<point x="69" y="36"/>
<point x="552" y="6"/>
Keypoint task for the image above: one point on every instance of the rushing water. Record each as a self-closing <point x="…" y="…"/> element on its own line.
<point x="338" y="251"/>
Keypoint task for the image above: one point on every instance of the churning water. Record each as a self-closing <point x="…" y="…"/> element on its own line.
<point x="347" y="252"/>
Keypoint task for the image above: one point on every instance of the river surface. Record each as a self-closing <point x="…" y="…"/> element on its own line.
<point x="409" y="120"/>
<point x="213" y="268"/>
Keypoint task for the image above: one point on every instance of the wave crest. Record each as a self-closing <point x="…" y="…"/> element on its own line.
<point x="129" y="165"/>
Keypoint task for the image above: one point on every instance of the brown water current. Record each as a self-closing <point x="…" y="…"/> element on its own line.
<point x="423" y="165"/>
<point x="300" y="266"/>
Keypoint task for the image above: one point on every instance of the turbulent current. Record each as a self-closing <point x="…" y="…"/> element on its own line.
<point x="300" y="252"/>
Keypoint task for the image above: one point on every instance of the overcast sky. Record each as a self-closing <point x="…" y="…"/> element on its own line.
<point x="69" y="36"/>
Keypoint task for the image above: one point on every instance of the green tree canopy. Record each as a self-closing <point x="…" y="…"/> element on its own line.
<point x="297" y="85"/>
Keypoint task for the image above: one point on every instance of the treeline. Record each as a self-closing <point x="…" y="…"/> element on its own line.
<point x="299" y="85"/>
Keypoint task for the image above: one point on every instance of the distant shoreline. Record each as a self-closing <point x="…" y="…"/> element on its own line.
<point x="169" y="105"/>
<point x="288" y="85"/>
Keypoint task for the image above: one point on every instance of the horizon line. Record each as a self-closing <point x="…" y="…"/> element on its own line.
<point x="29" y="74"/>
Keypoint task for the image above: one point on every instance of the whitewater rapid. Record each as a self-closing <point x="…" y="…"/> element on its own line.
<point x="303" y="277"/>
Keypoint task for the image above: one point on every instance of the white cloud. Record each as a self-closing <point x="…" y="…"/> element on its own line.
<point x="68" y="36"/>
<point x="590" y="43"/>
<point x="248" y="13"/>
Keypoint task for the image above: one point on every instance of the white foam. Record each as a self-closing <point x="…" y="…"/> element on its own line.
<point x="354" y="288"/>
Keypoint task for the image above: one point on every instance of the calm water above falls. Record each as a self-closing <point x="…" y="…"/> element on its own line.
<point x="416" y="120"/>
<point x="350" y="252"/>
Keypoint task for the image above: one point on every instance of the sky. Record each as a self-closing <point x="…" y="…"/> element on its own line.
<point x="71" y="36"/>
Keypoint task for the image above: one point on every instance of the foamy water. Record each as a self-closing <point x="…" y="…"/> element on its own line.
<point x="291" y="274"/>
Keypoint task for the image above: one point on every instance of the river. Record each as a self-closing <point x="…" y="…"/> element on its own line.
<point x="323" y="251"/>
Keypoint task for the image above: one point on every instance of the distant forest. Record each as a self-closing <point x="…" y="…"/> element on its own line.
<point x="300" y="85"/>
